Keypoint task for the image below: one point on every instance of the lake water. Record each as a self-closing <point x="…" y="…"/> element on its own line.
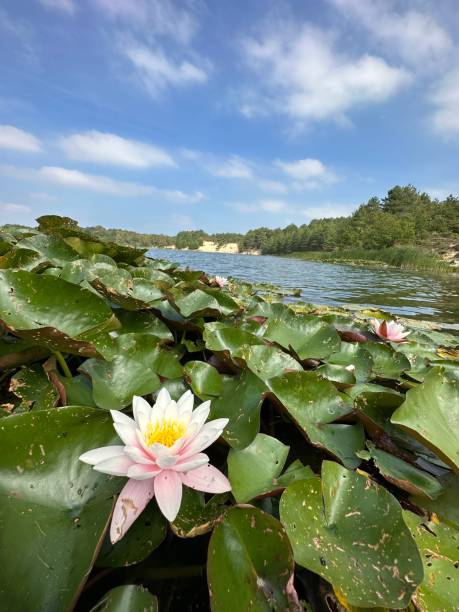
<point x="408" y="294"/>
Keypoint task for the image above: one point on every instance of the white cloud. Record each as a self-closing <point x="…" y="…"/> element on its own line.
<point x="153" y="17"/>
<point x="100" y="184"/>
<point x="156" y="71"/>
<point x="17" y="140"/>
<point x="413" y="35"/>
<point x="272" y="186"/>
<point x="445" y="99"/>
<point x="232" y="166"/>
<point x="183" y="222"/>
<point x="268" y="206"/>
<point x="308" y="173"/>
<point x="303" y="75"/>
<point x="441" y="193"/>
<point x="14" y="208"/>
<point x="65" y="6"/>
<point x="105" y="148"/>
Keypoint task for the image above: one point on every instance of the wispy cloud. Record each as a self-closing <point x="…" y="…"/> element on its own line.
<point x="230" y="166"/>
<point x="152" y="17"/>
<point x="18" y="140"/>
<point x="267" y="206"/>
<point x="302" y="73"/>
<point x="23" y="36"/>
<point x="12" y="212"/>
<point x="414" y="35"/>
<point x="272" y="186"/>
<point x="100" y="184"/>
<point x="445" y="100"/>
<point x="14" y="208"/>
<point x="63" y="6"/>
<point x="106" y="148"/>
<point x="157" y="71"/>
<point x="308" y="173"/>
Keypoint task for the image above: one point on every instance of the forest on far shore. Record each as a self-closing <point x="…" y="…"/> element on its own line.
<point x="404" y="217"/>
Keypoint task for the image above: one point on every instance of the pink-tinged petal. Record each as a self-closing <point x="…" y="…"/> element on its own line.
<point x="168" y="491"/>
<point x="101" y="454"/>
<point x="130" y="503"/>
<point x="191" y="463"/>
<point x="162" y="401"/>
<point x="127" y="433"/>
<point x="116" y="466"/>
<point x="142" y="411"/>
<point x="199" y="416"/>
<point x="206" y="478"/>
<point x="140" y="471"/>
<point x="120" y="417"/>
<point x="138" y="455"/>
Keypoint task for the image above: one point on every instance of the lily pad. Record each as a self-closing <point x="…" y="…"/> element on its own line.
<point x="204" y="379"/>
<point x="350" y="531"/>
<point x="53" y="506"/>
<point x="52" y="312"/>
<point x="314" y="404"/>
<point x="247" y="566"/>
<point x="431" y="413"/>
<point x="32" y="387"/>
<point x="128" y="597"/>
<point x="197" y="517"/>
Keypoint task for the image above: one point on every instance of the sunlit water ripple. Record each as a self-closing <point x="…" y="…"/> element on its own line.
<point x="408" y="294"/>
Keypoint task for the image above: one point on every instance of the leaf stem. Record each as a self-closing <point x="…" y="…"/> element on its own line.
<point x="63" y="364"/>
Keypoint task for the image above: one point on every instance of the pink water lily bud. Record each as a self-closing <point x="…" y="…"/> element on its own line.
<point x="161" y="451"/>
<point x="220" y="281"/>
<point x="395" y="332"/>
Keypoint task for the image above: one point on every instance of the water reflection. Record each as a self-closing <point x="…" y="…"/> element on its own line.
<point x="422" y="296"/>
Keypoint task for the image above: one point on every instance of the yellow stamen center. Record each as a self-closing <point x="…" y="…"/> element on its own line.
<point x="166" y="432"/>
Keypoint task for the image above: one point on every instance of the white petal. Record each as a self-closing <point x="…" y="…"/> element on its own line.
<point x="138" y="455"/>
<point x="120" y="417"/>
<point x="162" y="400"/>
<point x="101" y="454"/>
<point x="142" y="472"/>
<point x="142" y="411"/>
<point x="199" y="416"/>
<point x="166" y="461"/>
<point x="185" y="405"/>
<point x="207" y="436"/>
<point x="127" y="433"/>
<point x="191" y="463"/>
<point x="116" y="466"/>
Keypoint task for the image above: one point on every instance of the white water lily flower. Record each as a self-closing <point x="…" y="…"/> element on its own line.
<point x="221" y="281"/>
<point x="162" y="451"/>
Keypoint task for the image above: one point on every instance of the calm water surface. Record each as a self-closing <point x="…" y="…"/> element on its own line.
<point x="408" y="294"/>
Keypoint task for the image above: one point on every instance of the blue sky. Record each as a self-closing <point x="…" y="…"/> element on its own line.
<point x="163" y="115"/>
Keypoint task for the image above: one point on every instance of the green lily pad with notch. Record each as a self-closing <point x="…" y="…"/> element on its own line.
<point x="387" y="362"/>
<point x="78" y="390"/>
<point x="256" y="469"/>
<point x="204" y="379"/>
<point x="23" y="259"/>
<point x="431" y="414"/>
<point x="31" y="385"/>
<point x="445" y="506"/>
<point x="308" y="336"/>
<point x="355" y="354"/>
<point x="350" y="531"/>
<point x="250" y="561"/>
<point x="127" y="598"/>
<point x="223" y="337"/>
<point x="341" y="376"/>
<point x="129" y="373"/>
<point x="130" y="293"/>
<point x="53" y="312"/>
<point x="240" y="402"/>
<point x="196" y="516"/>
<point x="143" y="537"/>
<point x="438" y="544"/>
<point x="198" y="303"/>
<point x="49" y="248"/>
<point x="313" y="403"/>
<point x="403" y="474"/>
<point x="266" y="362"/>
<point x="54" y="509"/>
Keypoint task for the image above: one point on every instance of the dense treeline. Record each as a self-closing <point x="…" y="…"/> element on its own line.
<point x="404" y="216"/>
